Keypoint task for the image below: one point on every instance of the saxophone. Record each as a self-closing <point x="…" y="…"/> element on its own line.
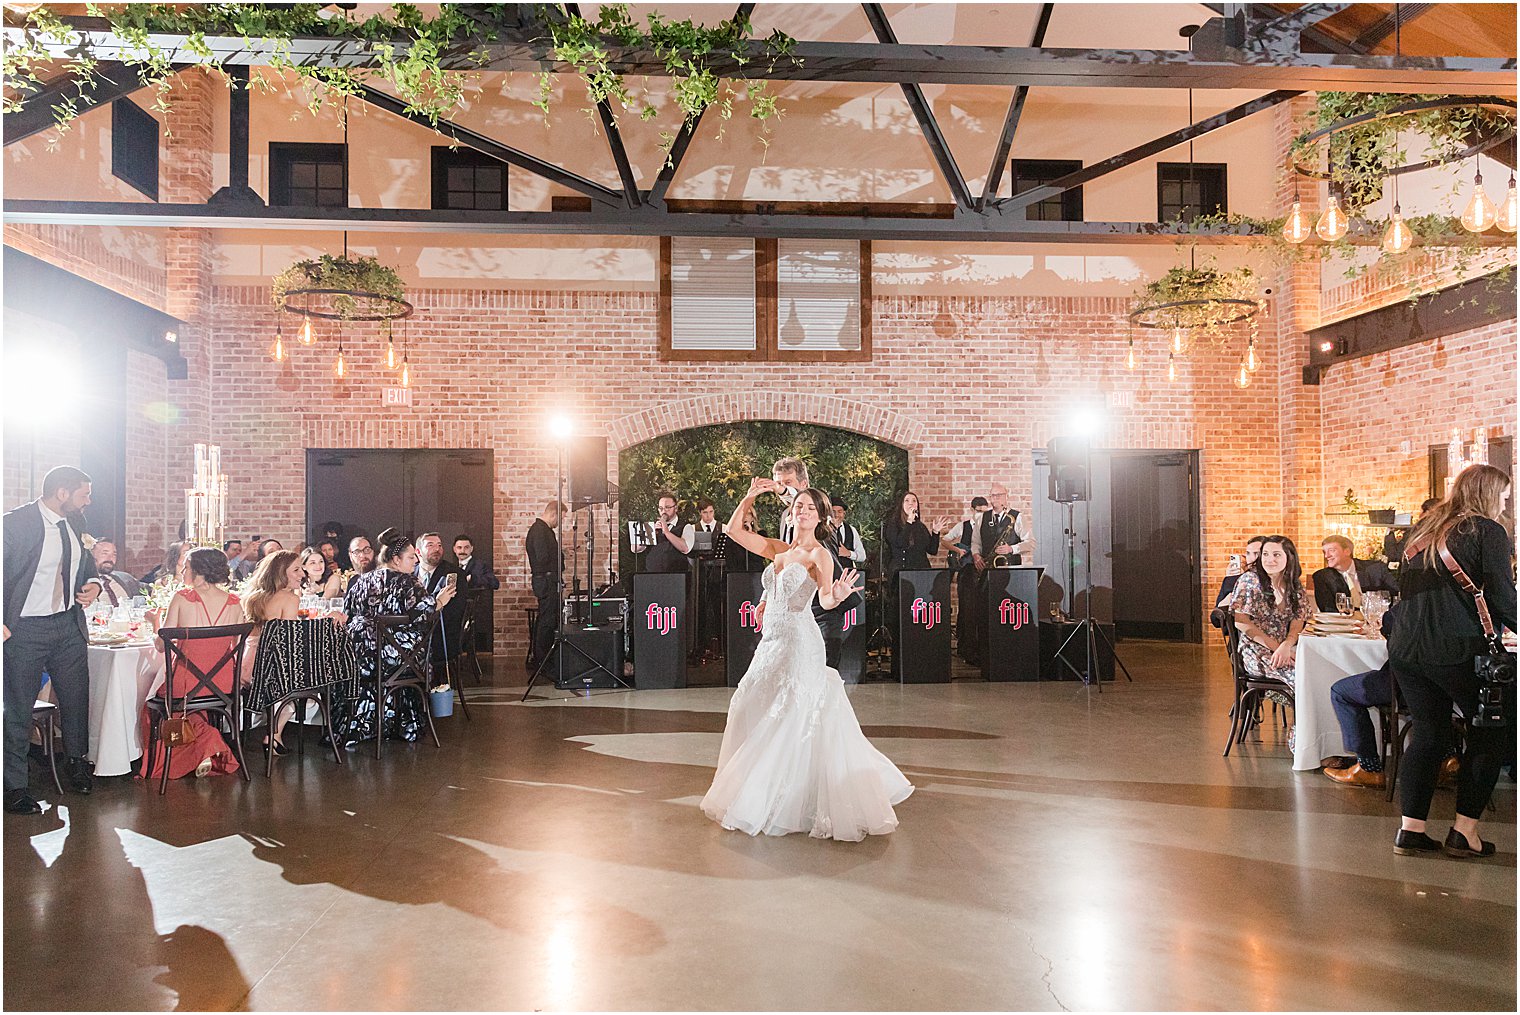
<point x="1003" y="559"/>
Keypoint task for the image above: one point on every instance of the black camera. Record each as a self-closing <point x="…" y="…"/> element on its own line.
<point x="1496" y="689"/>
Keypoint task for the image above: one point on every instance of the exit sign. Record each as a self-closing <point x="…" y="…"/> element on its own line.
<point x="1121" y="400"/>
<point x="396" y="396"/>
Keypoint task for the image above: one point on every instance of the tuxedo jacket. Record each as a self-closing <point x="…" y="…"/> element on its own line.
<point x="23" y="550"/>
<point x="452" y="620"/>
<point x="478" y="576"/>
<point x="1372" y="575"/>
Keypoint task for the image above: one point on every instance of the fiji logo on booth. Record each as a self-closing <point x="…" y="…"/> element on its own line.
<point x="926" y="613"/>
<point x="749" y="616"/>
<point x="851" y="619"/>
<point x="1014" y="614"/>
<point x="661" y="619"/>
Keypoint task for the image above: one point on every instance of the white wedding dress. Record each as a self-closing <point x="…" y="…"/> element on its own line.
<point x="793" y="756"/>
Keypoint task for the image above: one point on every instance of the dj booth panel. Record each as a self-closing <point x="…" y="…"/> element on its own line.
<point x="742" y="597"/>
<point x="923" y="607"/>
<point x="1011" y="623"/>
<point x="659" y="617"/>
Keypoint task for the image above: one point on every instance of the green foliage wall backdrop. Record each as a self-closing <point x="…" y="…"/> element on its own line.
<point x="718" y="462"/>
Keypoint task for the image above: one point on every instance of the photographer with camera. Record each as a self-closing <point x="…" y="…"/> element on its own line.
<point x="1456" y="585"/>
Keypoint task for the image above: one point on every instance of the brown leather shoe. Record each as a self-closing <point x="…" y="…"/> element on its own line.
<point x="1447" y="777"/>
<point x="1357" y="776"/>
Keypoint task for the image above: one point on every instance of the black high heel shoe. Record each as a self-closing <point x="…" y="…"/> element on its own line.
<point x="1458" y="846"/>
<point x="280" y="750"/>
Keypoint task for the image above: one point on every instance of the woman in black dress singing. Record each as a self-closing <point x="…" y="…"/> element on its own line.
<point x="909" y="543"/>
<point x="391" y="589"/>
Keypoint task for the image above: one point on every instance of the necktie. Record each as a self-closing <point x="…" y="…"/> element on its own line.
<point x="1356" y="589"/>
<point x="61" y="587"/>
<point x="109" y="585"/>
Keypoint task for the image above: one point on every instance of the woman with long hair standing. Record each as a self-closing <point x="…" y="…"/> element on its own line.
<point x="793" y="757"/>
<point x="1431" y="650"/>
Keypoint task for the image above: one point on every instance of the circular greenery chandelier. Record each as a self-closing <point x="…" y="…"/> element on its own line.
<point x="1191" y="301"/>
<point x="344" y="289"/>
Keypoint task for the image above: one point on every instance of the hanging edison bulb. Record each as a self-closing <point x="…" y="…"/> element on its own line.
<point x="1130" y="360"/>
<point x="1179" y="341"/>
<point x="1298" y="227"/>
<point x="340" y="370"/>
<point x="277" y="351"/>
<point x="1480" y="212"/>
<point x="406" y="372"/>
<point x="1333" y="223"/>
<point x="1251" y="362"/>
<point x="1397" y="239"/>
<point x="1509" y="212"/>
<point x="307" y="335"/>
<point x="1243" y="377"/>
<point x="1171" y="366"/>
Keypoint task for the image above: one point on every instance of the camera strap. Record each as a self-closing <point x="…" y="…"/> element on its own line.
<point x="1463" y="581"/>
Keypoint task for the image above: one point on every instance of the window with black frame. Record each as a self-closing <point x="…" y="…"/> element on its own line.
<point x="467" y="179"/>
<point x="134" y="146"/>
<point x="307" y="175"/>
<point x="1186" y="190"/>
<point x="1027" y="174"/>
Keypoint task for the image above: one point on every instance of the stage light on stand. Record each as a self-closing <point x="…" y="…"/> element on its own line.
<point x="1509" y="213"/>
<point x="561" y="427"/>
<point x="1086" y="422"/>
<point x="1332" y="224"/>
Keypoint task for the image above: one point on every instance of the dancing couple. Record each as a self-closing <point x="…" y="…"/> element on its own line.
<point x="793" y="757"/>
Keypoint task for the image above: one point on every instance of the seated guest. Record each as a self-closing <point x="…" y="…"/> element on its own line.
<point x="476" y="574"/>
<point x="433" y="571"/>
<point x="329" y="551"/>
<point x="390" y="590"/>
<point x="1271" y="609"/>
<point x="203" y="603"/>
<point x="237" y="563"/>
<point x="362" y="554"/>
<point x="1344" y="574"/>
<point x="319" y="577"/>
<point x="332" y="532"/>
<point x="266" y="547"/>
<point x="1221" y="613"/>
<point x="116" y="587"/>
<point x="274" y="595"/>
<point x="169" y="569"/>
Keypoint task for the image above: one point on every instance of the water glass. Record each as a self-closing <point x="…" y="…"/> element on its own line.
<point x="1343" y="603"/>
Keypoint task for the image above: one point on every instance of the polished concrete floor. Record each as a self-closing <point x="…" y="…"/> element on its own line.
<point x="1063" y="851"/>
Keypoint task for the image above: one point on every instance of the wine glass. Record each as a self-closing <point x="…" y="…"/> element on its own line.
<point x="1343" y="603"/>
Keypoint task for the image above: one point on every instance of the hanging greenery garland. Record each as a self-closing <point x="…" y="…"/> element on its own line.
<point x="1203" y="299"/>
<point x="354" y="286"/>
<point x="426" y="56"/>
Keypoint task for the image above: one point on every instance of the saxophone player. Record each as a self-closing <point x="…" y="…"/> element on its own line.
<point x="1003" y="537"/>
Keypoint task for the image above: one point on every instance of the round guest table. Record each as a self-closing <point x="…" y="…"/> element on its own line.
<point x="1320" y="662"/>
<point x="122" y="677"/>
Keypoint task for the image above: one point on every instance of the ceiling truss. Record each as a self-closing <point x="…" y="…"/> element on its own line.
<point x="1248" y="46"/>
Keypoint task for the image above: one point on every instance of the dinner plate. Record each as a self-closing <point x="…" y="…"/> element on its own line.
<point x="108" y="639"/>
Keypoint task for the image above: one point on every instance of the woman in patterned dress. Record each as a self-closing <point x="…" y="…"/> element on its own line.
<point x="274" y="594"/>
<point x="391" y="589"/>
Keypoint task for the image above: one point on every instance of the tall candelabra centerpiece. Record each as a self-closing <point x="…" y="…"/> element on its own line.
<point x="206" y="500"/>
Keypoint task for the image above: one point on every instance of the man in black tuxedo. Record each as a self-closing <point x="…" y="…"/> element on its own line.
<point x="49" y="579"/>
<point x="545" y="565"/>
<point x="476" y="574"/>
<point x="433" y="569"/>
<point x="1343" y="574"/>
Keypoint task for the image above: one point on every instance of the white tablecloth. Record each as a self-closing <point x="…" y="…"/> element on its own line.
<point x="121" y="679"/>
<point x="1319" y="663"/>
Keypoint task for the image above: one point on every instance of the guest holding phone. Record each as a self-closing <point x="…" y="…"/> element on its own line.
<point x="434" y="570"/>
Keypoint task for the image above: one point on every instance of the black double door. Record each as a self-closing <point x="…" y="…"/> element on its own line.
<point x="414" y="490"/>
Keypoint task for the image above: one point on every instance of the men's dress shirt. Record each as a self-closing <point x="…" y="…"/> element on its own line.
<point x="424" y="575"/>
<point x="42" y="597"/>
<point x="118" y="588"/>
<point x="1353" y="584"/>
<point x="850" y="543"/>
<point x="1018" y="534"/>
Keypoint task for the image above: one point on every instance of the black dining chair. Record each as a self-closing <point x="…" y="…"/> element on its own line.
<point x="477" y="611"/>
<point x="279" y="648"/>
<point x="1249" y="692"/>
<point x="414" y="670"/>
<point x="45" y="721"/>
<point x="204" y="696"/>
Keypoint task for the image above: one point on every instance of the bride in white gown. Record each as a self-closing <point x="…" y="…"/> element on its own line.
<point x="793" y="756"/>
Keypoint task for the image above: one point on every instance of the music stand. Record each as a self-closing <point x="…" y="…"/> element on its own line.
<point x="557" y="650"/>
<point x="881" y="638"/>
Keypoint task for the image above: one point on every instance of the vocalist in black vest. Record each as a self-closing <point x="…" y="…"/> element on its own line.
<point x="672" y="541"/>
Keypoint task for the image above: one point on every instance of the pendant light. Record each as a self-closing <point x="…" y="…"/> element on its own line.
<point x="1397" y="239"/>
<point x="1243" y="377"/>
<point x="406" y="372"/>
<point x="1480" y="213"/>
<point x="306" y="335"/>
<point x="1251" y="362"/>
<point x="1332" y="224"/>
<point x="1179" y="340"/>
<point x="277" y="352"/>
<point x="340" y="370"/>
<point x="1171" y="366"/>
<point x="1509" y="213"/>
<point x="1298" y="227"/>
<point x="1130" y="361"/>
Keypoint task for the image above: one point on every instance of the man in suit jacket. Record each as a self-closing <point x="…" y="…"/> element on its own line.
<point x="433" y="569"/>
<point x="49" y="578"/>
<point x="117" y="586"/>
<point x="476" y="574"/>
<point x="1344" y="574"/>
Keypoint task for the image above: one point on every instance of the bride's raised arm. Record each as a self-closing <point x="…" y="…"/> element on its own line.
<point x="832" y="594"/>
<point x="753" y="541"/>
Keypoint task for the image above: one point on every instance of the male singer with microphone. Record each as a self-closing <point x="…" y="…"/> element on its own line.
<point x="672" y="540"/>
